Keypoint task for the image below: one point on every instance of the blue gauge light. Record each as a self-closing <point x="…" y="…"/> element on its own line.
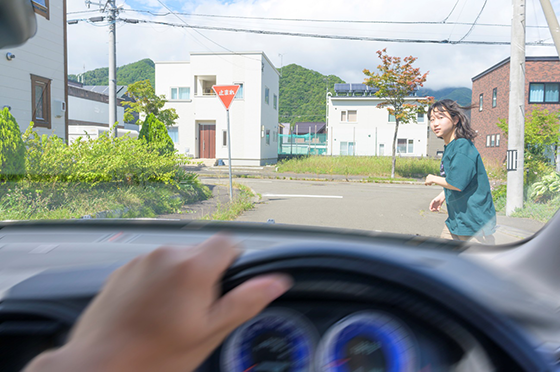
<point x="367" y="341"/>
<point x="275" y="341"/>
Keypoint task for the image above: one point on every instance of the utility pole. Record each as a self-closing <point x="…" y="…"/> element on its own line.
<point x="516" y="121"/>
<point x="555" y="32"/>
<point x="113" y="12"/>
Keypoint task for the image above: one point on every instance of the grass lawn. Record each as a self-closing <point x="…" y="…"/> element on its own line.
<point x="371" y="166"/>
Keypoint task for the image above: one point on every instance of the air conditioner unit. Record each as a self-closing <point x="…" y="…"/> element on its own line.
<point x="59" y="108"/>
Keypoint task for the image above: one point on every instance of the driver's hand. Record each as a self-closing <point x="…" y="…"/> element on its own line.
<point x="162" y="312"/>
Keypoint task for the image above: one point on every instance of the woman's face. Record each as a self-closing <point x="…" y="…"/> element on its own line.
<point x="442" y="124"/>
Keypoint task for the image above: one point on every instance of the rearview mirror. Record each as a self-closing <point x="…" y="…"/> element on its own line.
<point x="17" y="22"/>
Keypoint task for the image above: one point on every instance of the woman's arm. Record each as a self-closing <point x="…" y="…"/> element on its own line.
<point x="440" y="181"/>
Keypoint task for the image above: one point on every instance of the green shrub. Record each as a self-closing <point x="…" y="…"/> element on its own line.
<point x="547" y="188"/>
<point x="155" y="133"/>
<point x="12" y="149"/>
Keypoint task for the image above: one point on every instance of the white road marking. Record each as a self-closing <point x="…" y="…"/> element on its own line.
<point x="302" y="196"/>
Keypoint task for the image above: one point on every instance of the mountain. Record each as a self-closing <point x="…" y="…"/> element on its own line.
<point x="461" y="95"/>
<point x="303" y="94"/>
<point x="127" y="74"/>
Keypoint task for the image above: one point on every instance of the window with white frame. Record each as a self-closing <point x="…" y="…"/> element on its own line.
<point x="405" y="146"/>
<point x="346" y="148"/>
<point x="173" y="133"/>
<point x="180" y="93"/>
<point x="350" y="116"/>
<point x="493" y="140"/>
<point x="494" y="97"/>
<point x="420" y="117"/>
<point x="275" y="101"/>
<point x="480" y="100"/>
<point x="392" y="118"/>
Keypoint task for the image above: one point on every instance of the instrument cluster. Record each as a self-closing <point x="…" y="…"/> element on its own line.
<point x="366" y="340"/>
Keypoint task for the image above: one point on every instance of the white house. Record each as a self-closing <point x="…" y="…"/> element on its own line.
<point x="202" y="124"/>
<point x="356" y="126"/>
<point x="33" y="76"/>
<point x="88" y="112"/>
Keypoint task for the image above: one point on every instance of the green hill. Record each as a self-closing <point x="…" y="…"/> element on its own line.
<point x="303" y="94"/>
<point x="461" y="95"/>
<point x="127" y="74"/>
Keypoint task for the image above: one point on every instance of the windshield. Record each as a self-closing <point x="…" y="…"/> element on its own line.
<point x="340" y="115"/>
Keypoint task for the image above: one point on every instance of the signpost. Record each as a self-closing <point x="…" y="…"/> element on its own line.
<point x="226" y="93"/>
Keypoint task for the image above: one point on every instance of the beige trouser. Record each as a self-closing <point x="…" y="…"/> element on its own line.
<point x="483" y="239"/>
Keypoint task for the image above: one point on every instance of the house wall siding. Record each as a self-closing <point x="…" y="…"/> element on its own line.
<point x="44" y="56"/>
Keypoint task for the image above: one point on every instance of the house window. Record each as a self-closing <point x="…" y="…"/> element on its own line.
<point x="410" y="146"/>
<point x="493" y="140"/>
<point x="346" y="148"/>
<point x="488" y="141"/>
<point x="543" y="93"/>
<point x="392" y="118"/>
<point x="480" y="102"/>
<point x="343" y="116"/>
<point x="268" y="137"/>
<point x="494" y="97"/>
<point x="497" y="140"/>
<point x="352" y="115"/>
<point x="239" y="94"/>
<point x="275" y="102"/>
<point x="401" y="146"/>
<point x="41" y="7"/>
<point x="173" y="133"/>
<point x="41" y="101"/>
<point x="267" y="96"/>
<point x="381" y="149"/>
<point x="183" y="93"/>
<point x="224" y="138"/>
<point x="420" y="117"/>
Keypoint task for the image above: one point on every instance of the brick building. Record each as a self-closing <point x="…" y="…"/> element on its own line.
<point x="490" y="98"/>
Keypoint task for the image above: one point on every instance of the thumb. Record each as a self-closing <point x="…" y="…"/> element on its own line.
<point x="247" y="300"/>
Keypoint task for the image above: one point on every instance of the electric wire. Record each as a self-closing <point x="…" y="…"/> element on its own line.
<point x="324" y="36"/>
<point x="474" y="23"/>
<point x="444" y="22"/>
<point x="451" y="12"/>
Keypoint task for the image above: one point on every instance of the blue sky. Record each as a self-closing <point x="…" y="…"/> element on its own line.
<point x="449" y="65"/>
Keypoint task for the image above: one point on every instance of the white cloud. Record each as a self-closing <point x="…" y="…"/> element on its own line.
<point x="449" y="65"/>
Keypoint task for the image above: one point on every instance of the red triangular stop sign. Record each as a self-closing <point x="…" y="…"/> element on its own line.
<point x="226" y="93"/>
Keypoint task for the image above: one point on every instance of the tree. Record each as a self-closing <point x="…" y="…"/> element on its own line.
<point x="147" y="102"/>
<point x="396" y="81"/>
<point x="12" y="148"/>
<point x="155" y="133"/>
<point x="541" y="133"/>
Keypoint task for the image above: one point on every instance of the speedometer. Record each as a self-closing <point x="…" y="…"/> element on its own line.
<point x="277" y="340"/>
<point x="367" y="341"/>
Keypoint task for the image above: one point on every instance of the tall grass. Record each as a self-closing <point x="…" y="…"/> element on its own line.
<point x="242" y="202"/>
<point x="373" y="166"/>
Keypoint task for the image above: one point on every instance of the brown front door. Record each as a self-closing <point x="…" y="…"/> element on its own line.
<point x="207" y="141"/>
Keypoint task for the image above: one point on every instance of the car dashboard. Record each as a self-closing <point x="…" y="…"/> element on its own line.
<point x="360" y="301"/>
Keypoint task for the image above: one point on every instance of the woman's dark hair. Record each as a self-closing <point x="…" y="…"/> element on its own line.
<point x="463" y="128"/>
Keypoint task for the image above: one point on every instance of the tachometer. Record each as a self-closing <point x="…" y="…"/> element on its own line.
<point x="277" y="340"/>
<point x="367" y="342"/>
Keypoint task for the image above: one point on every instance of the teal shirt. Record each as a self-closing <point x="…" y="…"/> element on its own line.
<point x="471" y="210"/>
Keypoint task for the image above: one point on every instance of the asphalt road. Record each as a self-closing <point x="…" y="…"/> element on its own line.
<point x="397" y="208"/>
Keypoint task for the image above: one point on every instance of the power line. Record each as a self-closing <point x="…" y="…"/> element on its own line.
<point x="322" y="36"/>
<point x="444" y="22"/>
<point x="451" y="12"/>
<point x="474" y="23"/>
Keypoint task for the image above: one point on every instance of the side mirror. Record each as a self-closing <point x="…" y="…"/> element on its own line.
<point x="17" y="22"/>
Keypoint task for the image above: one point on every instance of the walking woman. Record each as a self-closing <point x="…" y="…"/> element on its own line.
<point x="466" y="188"/>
